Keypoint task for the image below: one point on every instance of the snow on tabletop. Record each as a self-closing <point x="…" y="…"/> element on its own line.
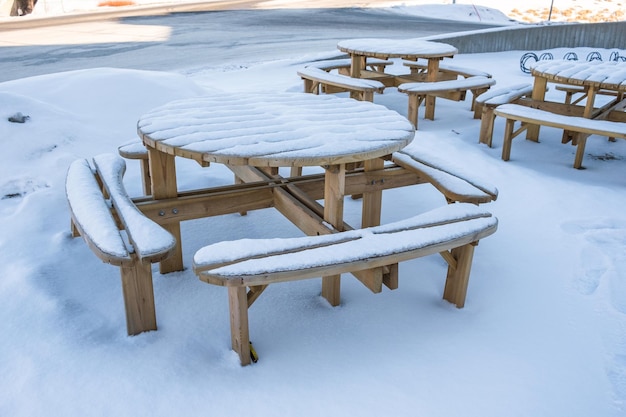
<point x="90" y="209"/>
<point x="606" y="72"/>
<point x="276" y="125"/>
<point x="397" y="46"/>
<point x="147" y="236"/>
<point x="228" y="251"/>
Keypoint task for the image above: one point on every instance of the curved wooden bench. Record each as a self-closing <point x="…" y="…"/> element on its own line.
<point x="450" y="89"/>
<point x="452" y="70"/>
<point x="452" y="230"/>
<point x="579" y="127"/>
<point x="360" y="89"/>
<point x="488" y="101"/>
<point x="99" y="220"/>
<point x="343" y="65"/>
<point x="454" y="182"/>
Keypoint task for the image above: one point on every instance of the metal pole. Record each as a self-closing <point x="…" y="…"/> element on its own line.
<point x="550" y="13"/>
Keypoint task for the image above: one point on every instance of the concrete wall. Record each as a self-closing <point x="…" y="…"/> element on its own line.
<point x="610" y="35"/>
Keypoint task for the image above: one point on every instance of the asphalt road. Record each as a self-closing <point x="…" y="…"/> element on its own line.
<point x="224" y="37"/>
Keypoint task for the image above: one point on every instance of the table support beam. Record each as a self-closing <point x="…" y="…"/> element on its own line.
<point x="163" y="183"/>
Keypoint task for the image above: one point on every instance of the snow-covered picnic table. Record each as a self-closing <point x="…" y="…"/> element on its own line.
<point x="410" y="51"/>
<point x="591" y="76"/>
<point x="580" y="118"/>
<point x="255" y="134"/>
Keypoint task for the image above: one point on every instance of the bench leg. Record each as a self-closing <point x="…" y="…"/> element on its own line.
<point x="457" y="280"/>
<point x="145" y="176"/>
<point x="138" y="298"/>
<point x="331" y="289"/>
<point x="414" y="104"/>
<point x="239" y="333"/>
<point x="429" y="113"/>
<point x="580" y="151"/>
<point x="311" y="87"/>
<point x="508" y="139"/>
<point x="486" y="126"/>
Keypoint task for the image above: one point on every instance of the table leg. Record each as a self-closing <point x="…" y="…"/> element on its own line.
<point x="372" y="201"/>
<point x="334" y="191"/>
<point x="357" y="64"/>
<point x="163" y="182"/>
<point x="539" y="93"/>
<point x="431" y="76"/>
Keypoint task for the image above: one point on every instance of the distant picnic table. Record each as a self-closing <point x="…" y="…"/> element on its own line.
<point x="580" y="116"/>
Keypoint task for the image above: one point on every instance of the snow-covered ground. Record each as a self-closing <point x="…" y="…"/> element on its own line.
<point x="542" y="334"/>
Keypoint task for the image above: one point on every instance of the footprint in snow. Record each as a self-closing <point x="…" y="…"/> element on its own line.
<point x="602" y="258"/>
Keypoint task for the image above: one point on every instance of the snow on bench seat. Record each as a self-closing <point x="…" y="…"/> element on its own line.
<point x="449" y="89"/>
<point x="136" y="150"/>
<point x="422" y="64"/>
<point x="489" y="100"/>
<point x="452" y="231"/>
<point x="361" y="89"/>
<point x="144" y="242"/>
<point x="345" y="63"/>
<point x="583" y="126"/>
<point x="457" y="183"/>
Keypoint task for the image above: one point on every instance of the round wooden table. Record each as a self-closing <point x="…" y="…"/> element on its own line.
<point x="409" y="49"/>
<point x="597" y="75"/>
<point x="245" y="131"/>
<point x="593" y="76"/>
<point x="397" y="48"/>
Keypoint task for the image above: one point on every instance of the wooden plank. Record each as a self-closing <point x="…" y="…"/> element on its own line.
<point x="331" y="289"/>
<point x="372" y="200"/>
<point x="163" y="183"/>
<point x="334" y="192"/>
<point x="372" y="279"/>
<point x="433" y="71"/>
<point x="390" y="277"/>
<point x="138" y="297"/>
<point x="539" y="94"/>
<point x="457" y="280"/>
<point x="239" y="331"/>
<point x="254" y="293"/>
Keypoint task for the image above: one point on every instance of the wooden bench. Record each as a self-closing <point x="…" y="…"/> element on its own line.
<point x="579" y="128"/>
<point x="342" y="65"/>
<point x="450" y="89"/>
<point x="360" y="89"/>
<point x="454" y="71"/>
<point x="100" y="210"/>
<point x="137" y="150"/>
<point x="488" y="101"/>
<point x="453" y="181"/>
<point x="452" y="230"/>
<point x="447" y="72"/>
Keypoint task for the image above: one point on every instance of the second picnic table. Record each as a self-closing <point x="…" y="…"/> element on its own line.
<point x="409" y="49"/>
